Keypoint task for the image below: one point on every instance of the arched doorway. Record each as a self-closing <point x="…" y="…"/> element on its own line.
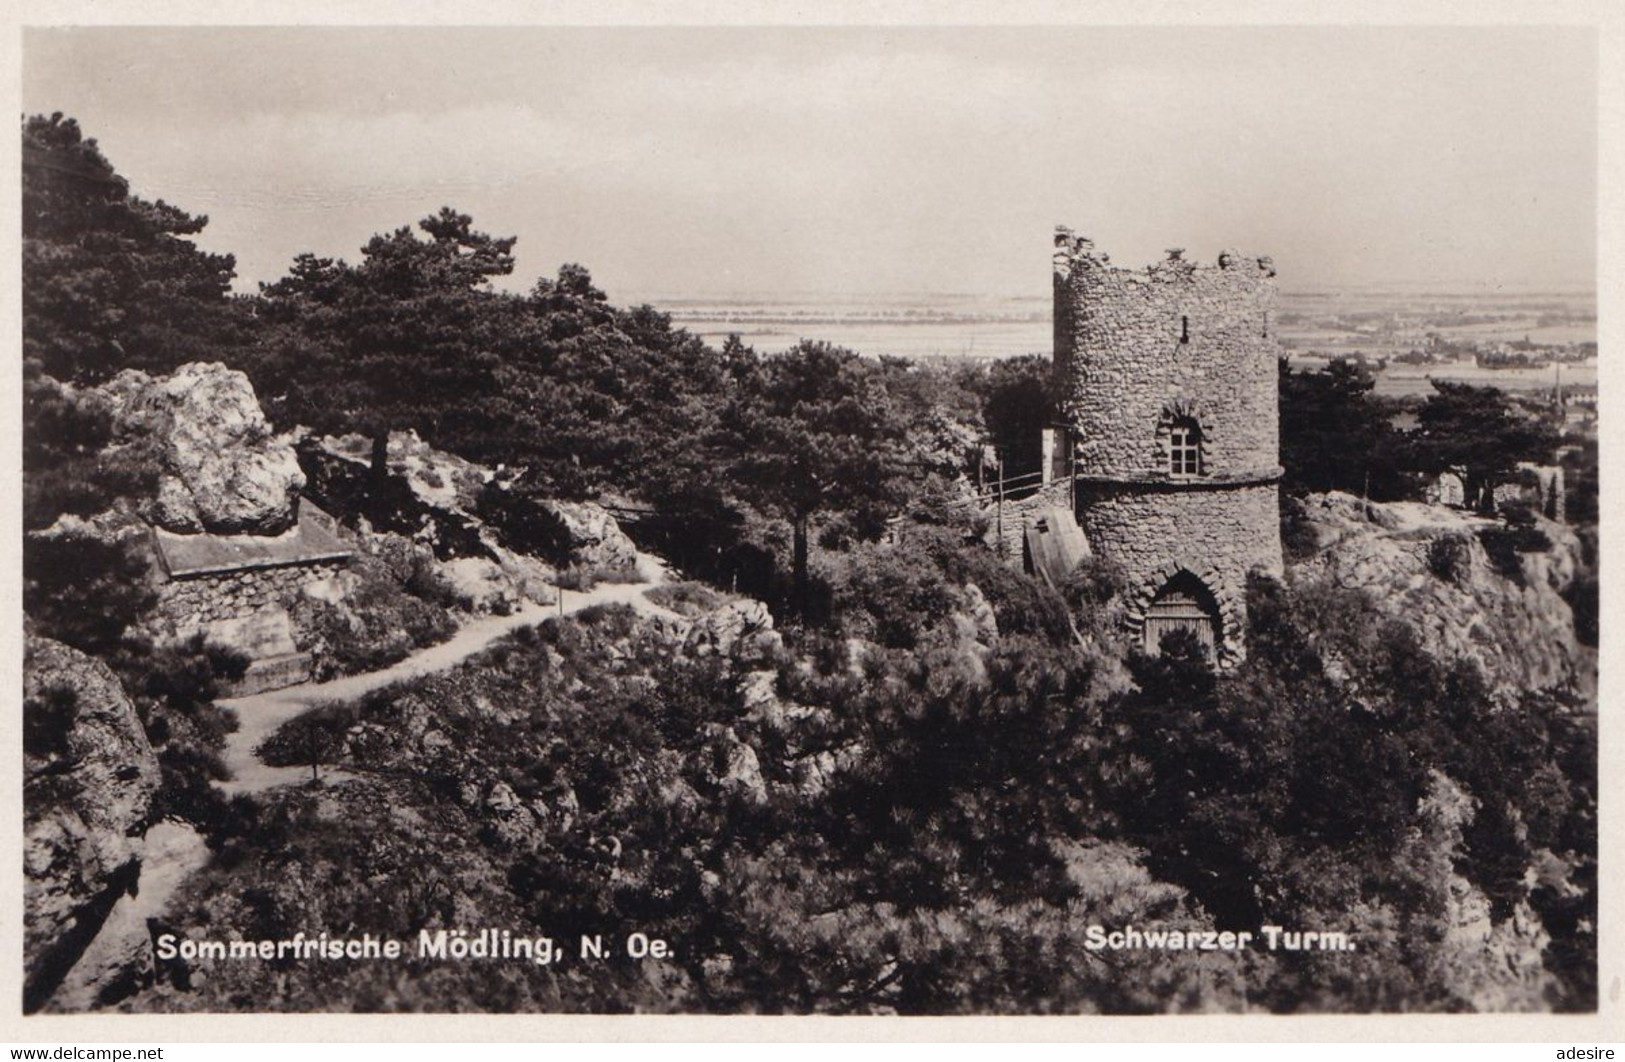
<point x="1183" y="604"/>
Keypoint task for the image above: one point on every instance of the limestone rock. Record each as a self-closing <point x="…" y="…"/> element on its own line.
<point x="758" y="695"/>
<point x="502" y="799"/>
<point x="814" y="773"/>
<point x="741" y="772"/>
<point x="1520" y="631"/>
<point x="523" y="577"/>
<point x="438" y="478"/>
<point x="117" y="524"/>
<point x="508" y="817"/>
<point x="483" y="583"/>
<point x="742" y="630"/>
<point x="174" y="509"/>
<point x="558" y="811"/>
<point x="973" y="618"/>
<point x="88" y="788"/>
<point x="223" y="469"/>
<point x="595" y="539"/>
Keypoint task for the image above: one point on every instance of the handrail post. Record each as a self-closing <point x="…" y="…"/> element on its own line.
<point x="999" y="486"/>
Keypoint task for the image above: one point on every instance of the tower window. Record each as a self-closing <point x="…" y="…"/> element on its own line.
<point x="1184" y="329"/>
<point x="1184" y="449"/>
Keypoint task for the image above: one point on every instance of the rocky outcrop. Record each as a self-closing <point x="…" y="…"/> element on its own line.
<point x="222" y="468"/>
<point x="594" y="539"/>
<point x="442" y="502"/>
<point x="89" y="779"/>
<point x="484" y="584"/>
<point x="973" y="620"/>
<point x="1427" y="566"/>
<point x="116" y="525"/>
<point x="741" y="630"/>
<point x="436" y="477"/>
<point x="740" y="773"/>
<point x="467" y="512"/>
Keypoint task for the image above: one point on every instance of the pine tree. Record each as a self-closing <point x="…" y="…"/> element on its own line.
<point x="110" y="280"/>
<point x="814" y="430"/>
<point x="408" y="338"/>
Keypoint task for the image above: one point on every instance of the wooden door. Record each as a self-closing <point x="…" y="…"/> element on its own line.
<point x="1183" y="604"/>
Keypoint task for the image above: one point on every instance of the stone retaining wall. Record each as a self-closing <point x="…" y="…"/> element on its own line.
<point x="192" y="603"/>
<point x="1019" y="514"/>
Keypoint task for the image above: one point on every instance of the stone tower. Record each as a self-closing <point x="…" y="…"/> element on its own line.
<point x="1166" y="402"/>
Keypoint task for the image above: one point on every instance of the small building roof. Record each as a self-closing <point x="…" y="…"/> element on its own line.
<point x="1056" y="544"/>
<point x="312" y="539"/>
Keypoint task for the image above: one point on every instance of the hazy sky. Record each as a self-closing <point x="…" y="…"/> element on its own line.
<point x="703" y="161"/>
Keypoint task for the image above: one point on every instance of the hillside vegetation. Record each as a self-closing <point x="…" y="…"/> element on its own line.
<point x="856" y="763"/>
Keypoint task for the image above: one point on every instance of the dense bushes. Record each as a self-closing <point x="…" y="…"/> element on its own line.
<point x="388" y="614"/>
<point x="1255" y="793"/>
<point x="1519" y="533"/>
<point x="174" y="688"/>
<point x="931" y="827"/>
<point x="901" y="846"/>
<point x="1449" y="557"/>
<point x="85" y="589"/>
<point x="893" y="592"/>
<point x="312" y="740"/>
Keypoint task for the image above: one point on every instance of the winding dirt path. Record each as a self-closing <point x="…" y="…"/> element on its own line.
<point x="174" y="851"/>
<point x="260" y="714"/>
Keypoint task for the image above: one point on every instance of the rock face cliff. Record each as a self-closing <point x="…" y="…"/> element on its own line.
<point x="223" y="469"/>
<point x="89" y="779"/>
<point x="1428" y="565"/>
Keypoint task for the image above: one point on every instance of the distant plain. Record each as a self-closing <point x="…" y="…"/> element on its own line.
<point x="1314" y="326"/>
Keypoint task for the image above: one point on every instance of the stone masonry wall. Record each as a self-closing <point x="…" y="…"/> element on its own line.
<point x="1121" y="370"/>
<point x="1218" y="535"/>
<point x="1005" y="536"/>
<point x="192" y="603"/>
<point x="1136" y="349"/>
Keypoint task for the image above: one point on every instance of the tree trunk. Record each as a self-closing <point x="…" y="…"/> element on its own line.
<point x="378" y="479"/>
<point x="798" y="564"/>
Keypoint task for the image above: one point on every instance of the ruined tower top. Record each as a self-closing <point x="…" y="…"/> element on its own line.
<point x="1139" y="348"/>
<point x="1072" y="250"/>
